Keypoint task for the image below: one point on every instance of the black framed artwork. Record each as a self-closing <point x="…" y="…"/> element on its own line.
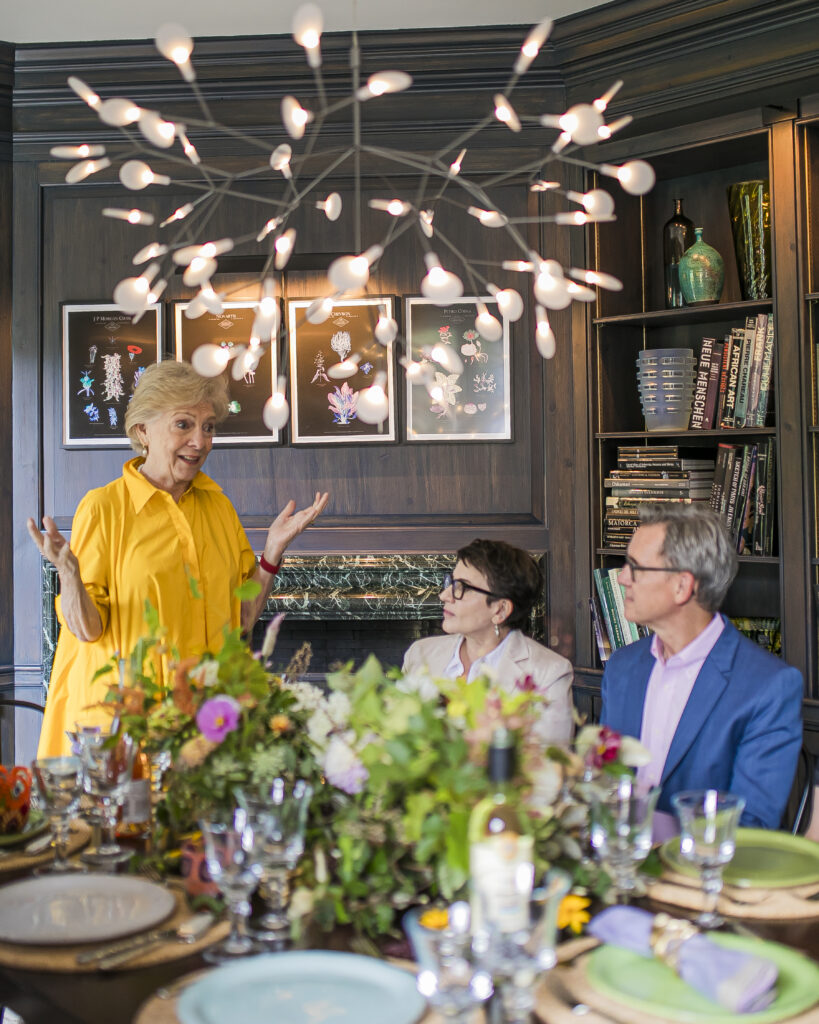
<point x="323" y="408"/>
<point x="104" y="355"/>
<point x="474" y="404"/>
<point x="231" y="328"/>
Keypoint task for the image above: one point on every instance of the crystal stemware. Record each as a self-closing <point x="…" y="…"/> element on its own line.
<point x="59" y="787"/>
<point x="621" y="821"/>
<point x="452" y="978"/>
<point x="232" y="848"/>
<point x="107" y="769"/>
<point x="282" y="818"/>
<point x="708" y="827"/>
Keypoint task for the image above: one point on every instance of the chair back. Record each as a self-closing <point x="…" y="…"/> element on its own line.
<point x="20" y="722"/>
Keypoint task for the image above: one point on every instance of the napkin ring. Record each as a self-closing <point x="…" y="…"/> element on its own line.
<point x="667" y="937"/>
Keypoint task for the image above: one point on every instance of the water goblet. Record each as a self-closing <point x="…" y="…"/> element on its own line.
<point x="708" y="827"/>
<point x="282" y="818"/>
<point x="107" y="769"/>
<point x="232" y="847"/>
<point x="59" y="787"/>
<point x="621" y="822"/>
<point x="452" y="979"/>
<point x="160" y="761"/>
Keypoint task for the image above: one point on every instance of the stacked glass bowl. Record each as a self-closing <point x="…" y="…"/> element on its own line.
<point x="665" y="377"/>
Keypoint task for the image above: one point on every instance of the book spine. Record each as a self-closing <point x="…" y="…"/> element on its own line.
<point x="759" y="499"/>
<point x="766" y="377"/>
<point x="744" y="374"/>
<point x="719" y="476"/>
<point x="755" y="378"/>
<point x="723" y="380"/>
<point x="726" y="483"/>
<point x="733" y="491"/>
<point x="770" y="500"/>
<point x="713" y="387"/>
<point x="746" y="521"/>
<point x="701" y="387"/>
<point x="728" y="412"/>
<point x="739" y="508"/>
<point x="613" y="618"/>
<point x="598" y="631"/>
<point x="628" y="628"/>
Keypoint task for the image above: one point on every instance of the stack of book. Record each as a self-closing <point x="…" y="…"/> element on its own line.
<point x="734" y="385"/>
<point x="765" y="632"/>
<point x="644" y="475"/>
<point x="744" y="494"/>
<point x="611" y="627"/>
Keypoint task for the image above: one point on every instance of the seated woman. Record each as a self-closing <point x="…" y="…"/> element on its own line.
<point x="162" y="532"/>
<point x="486" y="599"/>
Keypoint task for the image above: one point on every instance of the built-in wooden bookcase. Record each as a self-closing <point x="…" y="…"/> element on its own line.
<point x="697" y="164"/>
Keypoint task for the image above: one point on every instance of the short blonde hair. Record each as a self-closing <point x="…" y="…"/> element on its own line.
<point x="169" y="385"/>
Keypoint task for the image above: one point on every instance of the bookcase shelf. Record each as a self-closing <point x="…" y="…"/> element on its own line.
<point x="687" y="436"/>
<point x="743" y="559"/>
<point x="719" y="312"/>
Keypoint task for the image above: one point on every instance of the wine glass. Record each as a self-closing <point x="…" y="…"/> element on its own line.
<point x="160" y="761"/>
<point x="708" y="828"/>
<point x="621" y="821"/>
<point x="59" y="787"/>
<point x="282" y="818"/>
<point x="107" y="769"/>
<point x="451" y="979"/>
<point x="232" y="847"/>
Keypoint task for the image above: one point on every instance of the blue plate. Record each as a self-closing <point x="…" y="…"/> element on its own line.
<point x="292" y="988"/>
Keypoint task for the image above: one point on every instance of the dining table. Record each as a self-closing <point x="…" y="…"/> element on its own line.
<point x="50" y="991"/>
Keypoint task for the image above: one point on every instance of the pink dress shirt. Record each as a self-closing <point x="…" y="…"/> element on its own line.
<point x="669" y="687"/>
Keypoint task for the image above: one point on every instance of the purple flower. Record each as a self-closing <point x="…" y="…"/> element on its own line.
<point x="217" y="717"/>
<point x="343" y="769"/>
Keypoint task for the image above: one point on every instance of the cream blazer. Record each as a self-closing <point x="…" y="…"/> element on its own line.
<point x="522" y="656"/>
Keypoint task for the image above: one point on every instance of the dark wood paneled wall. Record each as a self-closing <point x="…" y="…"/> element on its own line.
<point x="6" y="617"/>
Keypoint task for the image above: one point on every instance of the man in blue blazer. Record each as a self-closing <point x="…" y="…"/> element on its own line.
<point x="715" y="710"/>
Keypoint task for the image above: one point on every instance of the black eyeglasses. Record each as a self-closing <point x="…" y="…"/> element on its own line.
<point x="459" y="587"/>
<point x="635" y="567"/>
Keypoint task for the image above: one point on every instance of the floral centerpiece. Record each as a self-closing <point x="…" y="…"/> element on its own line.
<point x="397" y="762"/>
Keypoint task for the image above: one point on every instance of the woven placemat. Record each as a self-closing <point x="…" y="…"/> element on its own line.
<point x="752" y="904"/>
<point x="564" y="987"/>
<point x="14" y="861"/>
<point x="63" y="959"/>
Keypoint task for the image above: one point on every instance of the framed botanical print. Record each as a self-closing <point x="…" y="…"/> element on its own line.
<point x="104" y="355"/>
<point x="230" y="329"/>
<point x="323" y="407"/>
<point x="474" y="404"/>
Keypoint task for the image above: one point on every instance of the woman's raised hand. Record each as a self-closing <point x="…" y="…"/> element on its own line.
<point x="52" y="545"/>
<point x="289" y="523"/>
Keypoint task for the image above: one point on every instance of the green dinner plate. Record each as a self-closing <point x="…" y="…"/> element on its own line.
<point x="37" y="823"/>
<point x="763" y="859"/>
<point x="652" y="987"/>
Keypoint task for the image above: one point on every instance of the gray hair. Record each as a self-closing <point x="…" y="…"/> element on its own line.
<point x="169" y="385"/>
<point x="696" y="540"/>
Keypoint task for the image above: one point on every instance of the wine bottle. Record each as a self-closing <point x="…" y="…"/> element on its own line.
<point x="678" y="235"/>
<point x="501" y="854"/>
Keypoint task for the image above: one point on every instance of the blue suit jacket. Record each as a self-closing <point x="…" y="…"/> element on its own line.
<point x="740" y="731"/>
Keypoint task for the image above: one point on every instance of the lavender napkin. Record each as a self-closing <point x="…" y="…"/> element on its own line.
<point x="740" y="982"/>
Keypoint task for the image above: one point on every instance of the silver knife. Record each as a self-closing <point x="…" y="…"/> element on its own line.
<point x="119" y="952"/>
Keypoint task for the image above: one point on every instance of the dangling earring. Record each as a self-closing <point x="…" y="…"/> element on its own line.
<point x="497" y="629"/>
<point x="145" y="451"/>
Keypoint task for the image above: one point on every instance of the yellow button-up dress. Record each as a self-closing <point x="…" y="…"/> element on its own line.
<point x="134" y="544"/>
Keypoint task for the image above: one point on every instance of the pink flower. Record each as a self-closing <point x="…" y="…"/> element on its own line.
<point x="527" y="685"/>
<point x="605" y="749"/>
<point x="217" y="717"/>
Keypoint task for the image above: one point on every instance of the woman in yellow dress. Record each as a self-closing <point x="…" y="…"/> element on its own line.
<point x="164" y="533"/>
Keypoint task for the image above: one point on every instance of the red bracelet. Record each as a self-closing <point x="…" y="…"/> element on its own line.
<point x="264" y="564"/>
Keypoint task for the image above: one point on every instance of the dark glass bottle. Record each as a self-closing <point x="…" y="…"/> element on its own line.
<point x="678" y="235"/>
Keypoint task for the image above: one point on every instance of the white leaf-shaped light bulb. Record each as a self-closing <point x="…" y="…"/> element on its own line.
<point x="544" y="336"/>
<point x="156" y="129"/>
<point x="350" y="272"/>
<point x="307" y="25"/>
<point x="382" y="82"/>
<point x="85" y="92"/>
<point x="373" y="404"/>
<point x="198" y="271"/>
<point x="210" y="360"/>
<point x="505" y="112"/>
<point x="280" y="159"/>
<point x="276" y="411"/>
<point x="439" y="285"/>
<point x="346" y="368"/>
<point x="331" y="206"/>
<point x="85" y="168"/>
<point x="174" y="43"/>
<point x="550" y="287"/>
<point x="581" y="123"/>
<point x="637" y="177"/>
<point x="118" y="111"/>
<point x="510" y="302"/>
<point x="284" y="248"/>
<point x="488" y="326"/>
<point x="319" y="309"/>
<point x="532" y="44"/>
<point x="82" y="152"/>
<point x="294" y="117"/>
<point x="445" y="356"/>
<point x="386" y="330"/>
<point x="246" y="360"/>
<point x="136" y="175"/>
<point x="132" y="293"/>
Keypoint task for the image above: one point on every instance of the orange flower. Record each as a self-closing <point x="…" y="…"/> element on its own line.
<point x="280" y="724"/>
<point x="133" y="699"/>
<point x="436" y="919"/>
<point x="183" y="687"/>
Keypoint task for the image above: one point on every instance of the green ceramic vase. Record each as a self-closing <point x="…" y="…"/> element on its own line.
<point x="702" y="273"/>
<point x="749" y="205"/>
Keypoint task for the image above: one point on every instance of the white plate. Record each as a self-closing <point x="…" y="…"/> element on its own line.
<point x="303" y="988"/>
<point x="59" y="910"/>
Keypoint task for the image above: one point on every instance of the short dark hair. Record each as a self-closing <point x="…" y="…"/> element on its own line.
<point x="510" y="573"/>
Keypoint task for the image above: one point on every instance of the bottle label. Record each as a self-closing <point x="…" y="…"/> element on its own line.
<point x="136" y="808"/>
<point x="502" y="873"/>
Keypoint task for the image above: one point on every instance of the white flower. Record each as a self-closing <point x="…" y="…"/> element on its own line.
<point x="342" y="768"/>
<point x="319" y="727"/>
<point x="206" y="673"/>
<point x="421" y="682"/>
<point x="633" y="753"/>
<point x="338" y="707"/>
<point x="301" y="903"/>
<point x="308" y="697"/>
<point x="546" y="784"/>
